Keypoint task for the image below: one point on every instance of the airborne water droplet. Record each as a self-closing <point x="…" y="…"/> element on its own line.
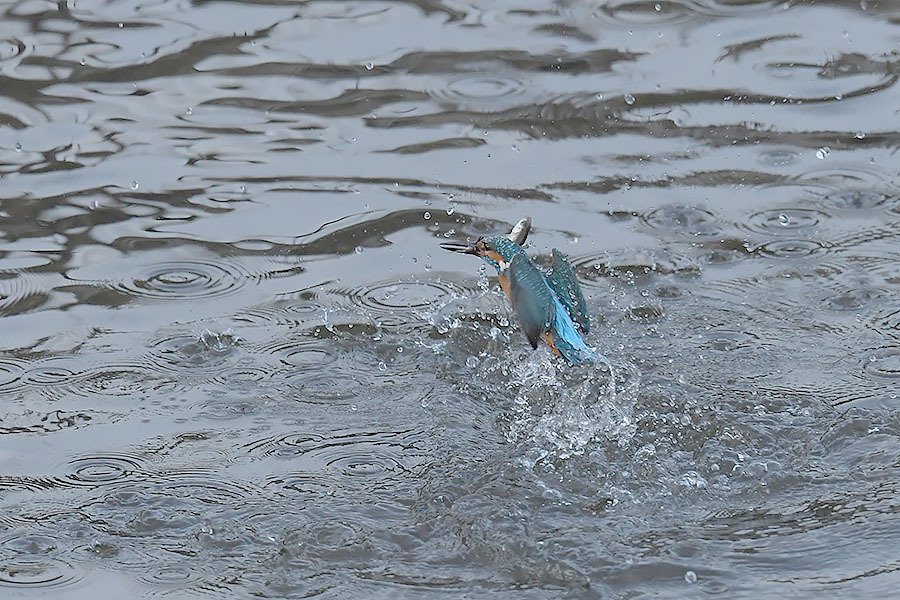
<point x="629" y="99"/>
<point x="18" y="147"/>
<point x="472" y="362"/>
<point x="860" y="135"/>
<point x="427" y="215"/>
<point x="823" y="152"/>
<point x="358" y="250"/>
<point x="784" y="220"/>
<point x="134" y="185"/>
<point x="690" y="577"/>
<point x="189" y="111"/>
<point x="370" y="66"/>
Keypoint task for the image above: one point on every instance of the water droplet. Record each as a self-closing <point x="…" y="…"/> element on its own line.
<point x="860" y="135"/>
<point x="121" y="25"/>
<point x="427" y="215"/>
<point x="472" y="362"/>
<point x="784" y="220"/>
<point x="82" y="62"/>
<point x="450" y="211"/>
<point x="370" y="66"/>
<point x="358" y="250"/>
<point x="427" y="266"/>
<point x="690" y="577"/>
<point x="822" y="152"/>
<point x="515" y="148"/>
<point x="599" y="96"/>
<point x="838" y="96"/>
<point x="657" y="8"/>
<point x="135" y="185"/>
<point x="189" y="111"/>
<point x="846" y="34"/>
<point x="400" y="349"/>
<point x="18" y="147"/>
<point x="629" y="99"/>
<point x="243" y="188"/>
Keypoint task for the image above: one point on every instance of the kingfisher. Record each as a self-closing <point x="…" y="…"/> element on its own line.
<point x="549" y="306"/>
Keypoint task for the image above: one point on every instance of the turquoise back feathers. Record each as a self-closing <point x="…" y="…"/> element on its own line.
<point x="549" y="306"/>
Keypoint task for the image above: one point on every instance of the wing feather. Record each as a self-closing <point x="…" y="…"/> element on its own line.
<point x="564" y="283"/>
<point x="530" y="297"/>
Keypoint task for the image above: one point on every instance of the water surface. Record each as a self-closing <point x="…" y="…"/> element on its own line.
<point x="234" y="362"/>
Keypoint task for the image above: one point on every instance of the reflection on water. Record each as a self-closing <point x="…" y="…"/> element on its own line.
<point x="235" y="362"/>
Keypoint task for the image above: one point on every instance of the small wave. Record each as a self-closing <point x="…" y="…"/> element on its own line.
<point x="790" y="249"/>
<point x="104" y="469"/>
<point x="688" y="220"/>
<point x="593" y="268"/>
<point x="483" y="90"/>
<point x="11" y="372"/>
<point x="178" y="280"/>
<point x="39" y="573"/>
<point x="785" y="221"/>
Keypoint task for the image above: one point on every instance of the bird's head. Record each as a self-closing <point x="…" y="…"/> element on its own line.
<point x="496" y="250"/>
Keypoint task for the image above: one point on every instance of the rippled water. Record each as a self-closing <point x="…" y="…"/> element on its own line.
<point x="234" y="362"/>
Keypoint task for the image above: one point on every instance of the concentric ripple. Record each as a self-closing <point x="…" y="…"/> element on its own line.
<point x="185" y="280"/>
<point x="38" y="573"/>
<point x="170" y="280"/>
<point x="11" y="372"/>
<point x="682" y="219"/>
<point x="723" y="252"/>
<point x="778" y="158"/>
<point x="592" y="269"/>
<point x="30" y="544"/>
<point x="649" y="12"/>
<point x="103" y="469"/>
<point x="790" y="249"/>
<point x="855" y="299"/>
<point x="206" y="354"/>
<point x="856" y="199"/>
<point x="352" y="454"/>
<point x="113" y="380"/>
<point x="726" y="340"/>
<point x="785" y="221"/>
<point x="482" y="90"/>
<point x="401" y="297"/>
<point x="884" y="364"/>
<point x="21" y="292"/>
<point x="173" y="577"/>
<point x="206" y="486"/>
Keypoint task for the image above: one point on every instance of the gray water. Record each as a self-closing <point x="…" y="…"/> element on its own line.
<point x="234" y="362"/>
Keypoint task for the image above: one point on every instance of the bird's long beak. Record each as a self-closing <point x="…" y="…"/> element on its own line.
<point x="458" y="247"/>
